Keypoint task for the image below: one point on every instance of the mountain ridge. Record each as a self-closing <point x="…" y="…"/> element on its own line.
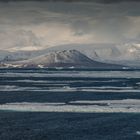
<point x="65" y="58"/>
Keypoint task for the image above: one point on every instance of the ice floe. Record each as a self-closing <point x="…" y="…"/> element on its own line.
<point x="102" y="106"/>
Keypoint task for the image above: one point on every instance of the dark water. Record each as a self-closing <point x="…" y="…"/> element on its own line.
<point x="68" y="86"/>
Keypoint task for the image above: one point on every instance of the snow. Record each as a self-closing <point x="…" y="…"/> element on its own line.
<point x="56" y="59"/>
<point x="40" y="66"/>
<point x="17" y="88"/>
<point x="112" y="102"/>
<point x="125" y="54"/>
<point x="104" y="106"/>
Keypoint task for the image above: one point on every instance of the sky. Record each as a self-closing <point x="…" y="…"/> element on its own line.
<point x="39" y="24"/>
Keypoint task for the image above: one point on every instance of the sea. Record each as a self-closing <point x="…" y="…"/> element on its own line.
<point x="69" y="104"/>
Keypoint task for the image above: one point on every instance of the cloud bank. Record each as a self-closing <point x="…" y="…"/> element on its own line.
<point x="38" y="25"/>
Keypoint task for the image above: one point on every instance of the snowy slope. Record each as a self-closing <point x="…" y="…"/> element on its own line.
<point x="94" y="51"/>
<point x="105" y="51"/>
<point x="65" y="58"/>
<point x="124" y="54"/>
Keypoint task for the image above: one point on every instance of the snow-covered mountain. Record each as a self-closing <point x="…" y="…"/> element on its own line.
<point x="105" y="51"/>
<point x="125" y="54"/>
<point x="93" y="51"/>
<point x="65" y="58"/>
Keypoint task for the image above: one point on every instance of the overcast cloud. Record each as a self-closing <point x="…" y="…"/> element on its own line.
<point x="37" y="25"/>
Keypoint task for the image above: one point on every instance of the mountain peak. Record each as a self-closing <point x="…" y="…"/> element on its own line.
<point x="64" y="58"/>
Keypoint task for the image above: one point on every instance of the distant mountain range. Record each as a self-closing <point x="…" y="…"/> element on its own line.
<point x="77" y="55"/>
<point x="65" y="58"/>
